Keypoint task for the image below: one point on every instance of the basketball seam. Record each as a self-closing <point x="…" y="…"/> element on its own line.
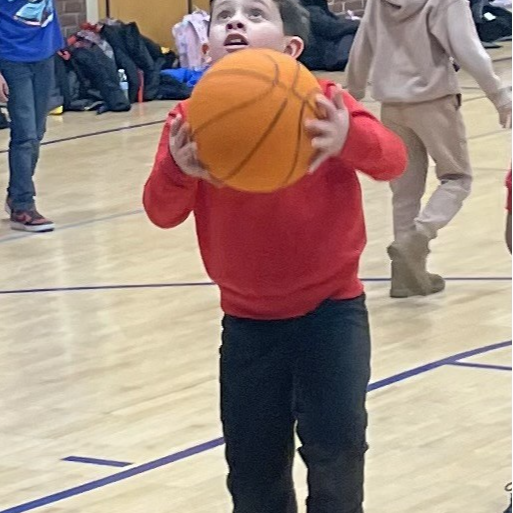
<point x="299" y="130"/>
<point x="305" y="103"/>
<point x="276" y="83"/>
<point x="239" y="168"/>
<point x="298" y="144"/>
<point x="276" y="69"/>
<point x="246" y="103"/>
<point x="257" y="74"/>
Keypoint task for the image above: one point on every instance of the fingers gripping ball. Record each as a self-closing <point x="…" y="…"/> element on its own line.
<point x="247" y="116"/>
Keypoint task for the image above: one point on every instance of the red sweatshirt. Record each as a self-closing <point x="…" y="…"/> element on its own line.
<point x="279" y="255"/>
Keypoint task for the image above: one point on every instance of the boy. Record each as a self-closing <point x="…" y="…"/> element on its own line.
<point x="295" y="343"/>
<point x="409" y="45"/>
<point x="29" y="36"/>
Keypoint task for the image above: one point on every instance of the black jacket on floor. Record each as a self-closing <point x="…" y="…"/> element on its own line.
<point x="330" y="39"/>
<point x="95" y="68"/>
<point x="133" y="51"/>
<point x="112" y="34"/>
<point x="494" y="27"/>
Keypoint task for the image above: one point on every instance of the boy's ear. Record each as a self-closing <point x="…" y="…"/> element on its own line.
<point x="295" y="46"/>
<point x="205" y="49"/>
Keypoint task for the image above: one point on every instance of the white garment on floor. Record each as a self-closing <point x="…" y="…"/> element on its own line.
<point x="505" y="4"/>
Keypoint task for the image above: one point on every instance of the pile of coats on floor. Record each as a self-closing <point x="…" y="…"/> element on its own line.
<point x="88" y="70"/>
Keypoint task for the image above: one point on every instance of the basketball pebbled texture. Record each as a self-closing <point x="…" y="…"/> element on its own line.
<point x="247" y="116"/>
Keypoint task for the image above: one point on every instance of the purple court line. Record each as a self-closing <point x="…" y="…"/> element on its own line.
<point x="434" y="365"/>
<point x="211" y="444"/>
<point x="99" y="132"/>
<point x="24" y="235"/>
<point x="125" y="474"/>
<point x="481" y="366"/>
<point x="139" y="125"/>
<point x="97" y="461"/>
<point x="204" y="284"/>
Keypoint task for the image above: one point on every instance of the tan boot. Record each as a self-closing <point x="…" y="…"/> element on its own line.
<point x="400" y="289"/>
<point x="409" y="274"/>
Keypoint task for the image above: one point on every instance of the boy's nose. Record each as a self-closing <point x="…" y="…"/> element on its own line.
<point x="235" y="25"/>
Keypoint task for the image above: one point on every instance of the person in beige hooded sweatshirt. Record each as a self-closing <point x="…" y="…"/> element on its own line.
<point x="408" y="47"/>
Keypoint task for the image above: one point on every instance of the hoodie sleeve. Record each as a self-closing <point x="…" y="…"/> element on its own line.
<point x="169" y="194"/>
<point x="360" y="61"/>
<point x="455" y="30"/>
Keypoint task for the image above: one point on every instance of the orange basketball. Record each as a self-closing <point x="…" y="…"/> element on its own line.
<point x="247" y="116"/>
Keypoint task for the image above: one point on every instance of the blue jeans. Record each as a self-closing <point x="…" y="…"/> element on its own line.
<point x="311" y="373"/>
<point x="30" y="84"/>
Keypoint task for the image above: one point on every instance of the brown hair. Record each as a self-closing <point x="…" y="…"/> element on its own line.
<point x="296" y="19"/>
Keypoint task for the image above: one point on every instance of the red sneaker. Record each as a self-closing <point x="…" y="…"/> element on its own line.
<point x="30" y="221"/>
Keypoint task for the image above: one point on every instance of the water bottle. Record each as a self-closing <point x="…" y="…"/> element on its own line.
<point x="123" y="82"/>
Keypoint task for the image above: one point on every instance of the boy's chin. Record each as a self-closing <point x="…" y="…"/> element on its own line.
<point x="236" y="48"/>
<point x="227" y="50"/>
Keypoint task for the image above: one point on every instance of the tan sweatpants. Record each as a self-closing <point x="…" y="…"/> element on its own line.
<point x="433" y="128"/>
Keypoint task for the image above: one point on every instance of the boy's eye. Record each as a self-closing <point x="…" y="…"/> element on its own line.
<point x="256" y="13"/>
<point x="223" y="15"/>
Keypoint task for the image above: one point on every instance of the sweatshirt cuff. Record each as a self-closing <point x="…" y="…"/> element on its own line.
<point x="175" y="175"/>
<point x="501" y="98"/>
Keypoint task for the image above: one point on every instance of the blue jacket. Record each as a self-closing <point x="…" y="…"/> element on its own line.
<point x="29" y="30"/>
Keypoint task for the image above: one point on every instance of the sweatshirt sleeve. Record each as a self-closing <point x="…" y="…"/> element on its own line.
<point x="360" y="61"/>
<point x="455" y="30"/>
<point x="370" y="147"/>
<point x="169" y="194"/>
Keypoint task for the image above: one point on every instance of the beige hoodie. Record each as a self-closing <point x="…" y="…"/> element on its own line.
<point x="408" y="45"/>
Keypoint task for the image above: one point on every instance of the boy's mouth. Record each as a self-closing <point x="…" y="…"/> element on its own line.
<point x="235" y="42"/>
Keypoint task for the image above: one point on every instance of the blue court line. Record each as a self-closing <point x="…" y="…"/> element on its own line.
<point x="211" y="444"/>
<point x="97" y="461"/>
<point x="99" y="132"/>
<point x="481" y="366"/>
<point x="201" y="284"/>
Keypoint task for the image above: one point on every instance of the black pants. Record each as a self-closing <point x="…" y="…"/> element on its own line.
<point x="313" y="370"/>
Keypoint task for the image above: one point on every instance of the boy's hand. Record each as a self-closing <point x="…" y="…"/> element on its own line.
<point x="185" y="151"/>
<point x="330" y="133"/>
<point x="4" y="90"/>
<point x="505" y="116"/>
<point x="502" y="101"/>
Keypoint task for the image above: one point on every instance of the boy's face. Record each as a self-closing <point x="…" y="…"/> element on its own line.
<point x="239" y="24"/>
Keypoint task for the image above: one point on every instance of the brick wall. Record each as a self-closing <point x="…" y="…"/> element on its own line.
<point x="340" y="6"/>
<point x="71" y="14"/>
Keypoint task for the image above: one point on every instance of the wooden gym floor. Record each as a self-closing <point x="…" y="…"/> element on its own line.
<point x="109" y="334"/>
